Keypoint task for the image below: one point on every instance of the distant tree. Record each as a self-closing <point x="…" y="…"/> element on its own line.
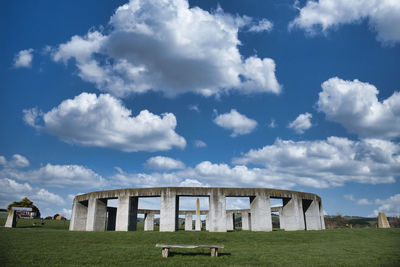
<point x="25" y="203"/>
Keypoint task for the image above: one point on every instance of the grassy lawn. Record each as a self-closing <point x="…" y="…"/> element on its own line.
<point x="52" y="244"/>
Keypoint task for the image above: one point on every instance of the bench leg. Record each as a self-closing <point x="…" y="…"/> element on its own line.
<point x="214" y="252"/>
<point x="165" y="252"/>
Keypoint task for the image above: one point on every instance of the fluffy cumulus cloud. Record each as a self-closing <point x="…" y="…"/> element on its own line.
<point x="62" y="176"/>
<point x="23" y="59"/>
<point x="17" y="161"/>
<point x="239" y="124"/>
<point x="355" y="105"/>
<point x="261" y="26"/>
<point x="331" y="162"/>
<point x="301" y="123"/>
<point x="103" y="121"/>
<point x="383" y="16"/>
<point x="164" y="163"/>
<point x="167" y="46"/>
<point x="199" y="143"/>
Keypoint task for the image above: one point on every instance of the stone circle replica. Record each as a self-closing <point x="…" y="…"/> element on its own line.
<point x="300" y="211"/>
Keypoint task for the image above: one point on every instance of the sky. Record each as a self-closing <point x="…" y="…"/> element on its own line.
<point x="299" y="95"/>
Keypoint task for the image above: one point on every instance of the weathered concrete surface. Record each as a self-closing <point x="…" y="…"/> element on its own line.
<point x="198" y="219"/>
<point x="260" y="210"/>
<point x="311" y="214"/>
<point x="383" y="221"/>
<point x="321" y="215"/>
<point x="230" y="221"/>
<point x="188" y="221"/>
<point x="246" y="221"/>
<point x="149" y="221"/>
<point x="169" y="211"/>
<point x="78" y="216"/>
<point x="291" y="214"/>
<point x="126" y="213"/>
<point x="11" y="219"/>
<point x="111" y="218"/>
<point x="217" y="213"/>
<point x="292" y="217"/>
<point x="96" y="215"/>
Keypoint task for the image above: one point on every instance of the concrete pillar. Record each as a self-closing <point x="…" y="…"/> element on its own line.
<point x="11" y="219"/>
<point x="260" y="209"/>
<point x="78" y="216"/>
<point x="311" y="214"/>
<point x="207" y="222"/>
<point x="96" y="215"/>
<point x="246" y="221"/>
<point x="198" y="218"/>
<point x="383" y="221"/>
<point x="291" y="218"/>
<point x="230" y="223"/>
<point x="321" y="214"/>
<point x="217" y="213"/>
<point x="149" y="221"/>
<point x="127" y="213"/>
<point x="188" y="221"/>
<point x="111" y="218"/>
<point x="169" y="210"/>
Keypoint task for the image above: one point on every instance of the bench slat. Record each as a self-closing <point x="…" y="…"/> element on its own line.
<point x="187" y="246"/>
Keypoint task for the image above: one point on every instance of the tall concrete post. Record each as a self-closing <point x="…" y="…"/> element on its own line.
<point x="149" y="221"/>
<point x="188" y="221"/>
<point x="11" y="219"/>
<point x="127" y="213"/>
<point x="207" y="222"/>
<point x="111" y="218"/>
<point x="96" y="215"/>
<point x="217" y="212"/>
<point x="78" y="216"/>
<point x="169" y="210"/>
<point x="260" y="209"/>
<point x="321" y="214"/>
<point x="230" y="220"/>
<point x="311" y="214"/>
<point x="292" y="218"/>
<point x="246" y="221"/>
<point x="198" y="219"/>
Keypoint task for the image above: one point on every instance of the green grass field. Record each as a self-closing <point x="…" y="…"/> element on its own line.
<point x="52" y="244"/>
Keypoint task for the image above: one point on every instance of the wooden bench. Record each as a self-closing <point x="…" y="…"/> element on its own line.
<point x="166" y="247"/>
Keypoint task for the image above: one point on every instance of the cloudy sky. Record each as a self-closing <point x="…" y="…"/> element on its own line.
<point x="300" y="95"/>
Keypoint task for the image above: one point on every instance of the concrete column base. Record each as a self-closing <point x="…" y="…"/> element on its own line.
<point x="149" y="221"/>
<point x="292" y="217"/>
<point x="217" y="213"/>
<point x="246" y="221"/>
<point x="11" y="219"/>
<point x="127" y="213"/>
<point x="169" y="211"/>
<point x="260" y="209"/>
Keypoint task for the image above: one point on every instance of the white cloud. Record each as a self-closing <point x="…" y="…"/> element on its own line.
<point x="17" y="161"/>
<point x="364" y="201"/>
<point x="331" y="162"/>
<point x="272" y="124"/>
<point x="349" y="197"/>
<point x="301" y="123"/>
<point x="66" y="213"/>
<point x="261" y="26"/>
<point x="236" y="122"/>
<point x="194" y="108"/>
<point x="199" y="143"/>
<point x="104" y="122"/>
<point x="23" y="59"/>
<point x="164" y="163"/>
<point x="390" y="206"/>
<point x="64" y="176"/>
<point x="383" y="16"/>
<point x="355" y="105"/>
<point x="167" y="46"/>
<point x="44" y="196"/>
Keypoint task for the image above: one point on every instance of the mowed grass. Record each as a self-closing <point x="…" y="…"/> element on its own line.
<point x="52" y="244"/>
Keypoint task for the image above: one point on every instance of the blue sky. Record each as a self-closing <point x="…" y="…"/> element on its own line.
<point x="281" y="94"/>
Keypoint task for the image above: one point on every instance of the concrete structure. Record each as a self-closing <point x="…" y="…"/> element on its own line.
<point x="300" y="211"/>
<point x="198" y="219"/>
<point x="11" y="219"/>
<point x="383" y="221"/>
